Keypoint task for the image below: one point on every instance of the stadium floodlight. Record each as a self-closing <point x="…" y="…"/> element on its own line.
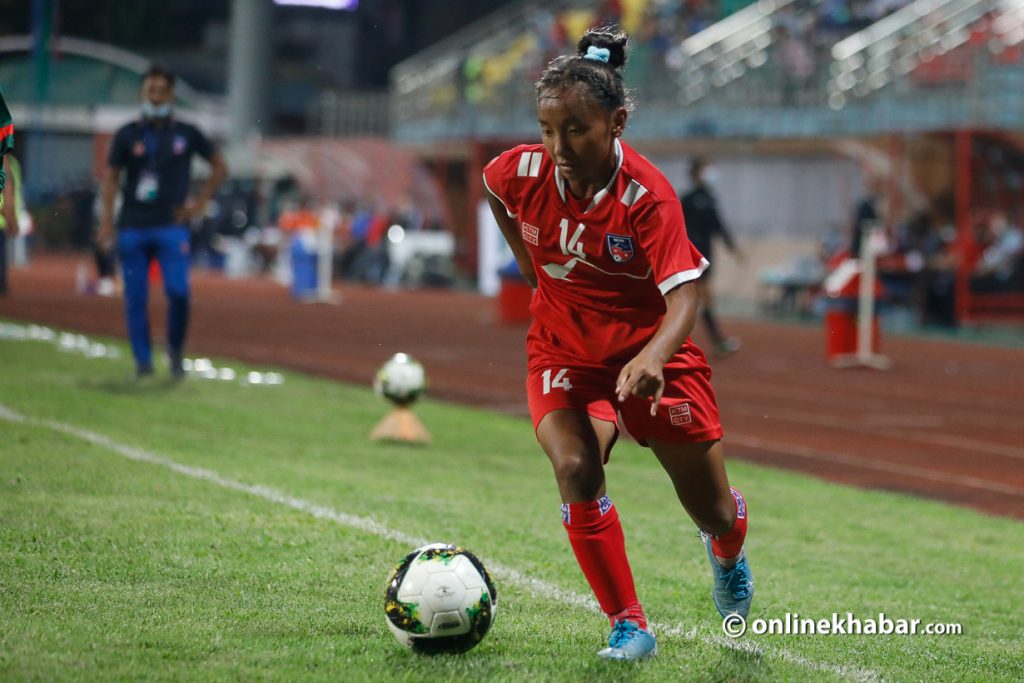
<point x="325" y="4"/>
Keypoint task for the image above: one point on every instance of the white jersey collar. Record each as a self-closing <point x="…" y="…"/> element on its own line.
<point x="603" y="192"/>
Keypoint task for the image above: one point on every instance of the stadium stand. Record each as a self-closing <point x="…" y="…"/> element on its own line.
<point x="702" y="78"/>
<point x="912" y="90"/>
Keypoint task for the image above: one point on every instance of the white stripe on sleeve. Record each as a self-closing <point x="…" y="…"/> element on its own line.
<point x="524" y="164"/>
<point x="673" y="281"/>
<point x="535" y="164"/>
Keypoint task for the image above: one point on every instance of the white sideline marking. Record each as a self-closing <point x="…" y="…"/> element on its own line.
<point x="533" y="585"/>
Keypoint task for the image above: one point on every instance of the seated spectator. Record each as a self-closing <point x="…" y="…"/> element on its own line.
<point x="938" y="280"/>
<point x="868" y="213"/>
<point x="351" y="261"/>
<point x="1001" y="267"/>
<point x="299" y="217"/>
<point x="376" y="258"/>
<point x="795" y="63"/>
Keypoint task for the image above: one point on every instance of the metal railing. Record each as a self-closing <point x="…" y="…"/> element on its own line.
<point x="455" y="80"/>
<point x="433" y="82"/>
<point x="726" y="50"/>
<point x="892" y="48"/>
<point x="735" y="78"/>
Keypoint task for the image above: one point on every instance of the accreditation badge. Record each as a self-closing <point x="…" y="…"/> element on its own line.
<point x="148" y="187"/>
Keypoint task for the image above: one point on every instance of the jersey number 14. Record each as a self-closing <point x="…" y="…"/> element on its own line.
<point x="571" y="246"/>
<point x="560" y="380"/>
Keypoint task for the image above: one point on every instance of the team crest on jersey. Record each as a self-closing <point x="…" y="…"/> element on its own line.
<point x="680" y="414"/>
<point x="620" y="247"/>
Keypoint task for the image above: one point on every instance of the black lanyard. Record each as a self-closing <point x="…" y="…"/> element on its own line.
<point x="155" y="143"/>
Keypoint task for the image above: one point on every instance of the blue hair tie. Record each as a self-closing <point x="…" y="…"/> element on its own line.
<point x="598" y="54"/>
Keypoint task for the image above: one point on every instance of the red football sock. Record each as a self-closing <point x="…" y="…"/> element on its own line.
<point x="596" y="537"/>
<point x="729" y="545"/>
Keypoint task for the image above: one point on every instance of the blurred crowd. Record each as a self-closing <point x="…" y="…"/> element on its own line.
<point x="918" y="269"/>
<point x="804" y="32"/>
<point x="379" y="244"/>
<point x="242" y="233"/>
<point x="918" y="262"/>
<point x="921" y="271"/>
<point x="656" y="28"/>
<point x="363" y="238"/>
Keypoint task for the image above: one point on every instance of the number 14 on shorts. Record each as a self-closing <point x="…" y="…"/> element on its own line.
<point x="559" y="381"/>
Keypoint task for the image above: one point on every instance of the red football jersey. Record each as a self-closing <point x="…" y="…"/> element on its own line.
<point x="604" y="265"/>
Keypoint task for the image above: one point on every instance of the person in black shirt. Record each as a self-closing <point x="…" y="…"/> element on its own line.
<point x="867" y="214"/>
<point x="703" y="226"/>
<point x="150" y="161"/>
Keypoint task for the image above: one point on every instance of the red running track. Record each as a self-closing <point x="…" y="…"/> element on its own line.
<point x="947" y="422"/>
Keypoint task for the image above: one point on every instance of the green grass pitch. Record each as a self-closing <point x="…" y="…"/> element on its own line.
<point x="113" y="568"/>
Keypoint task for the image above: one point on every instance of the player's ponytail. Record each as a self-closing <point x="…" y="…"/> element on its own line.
<point x="597" y="65"/>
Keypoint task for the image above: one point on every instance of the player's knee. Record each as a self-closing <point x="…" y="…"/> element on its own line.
<point x="720" y="519"/>
<point x="176" y="294"/>
<point x="577" y="472"/>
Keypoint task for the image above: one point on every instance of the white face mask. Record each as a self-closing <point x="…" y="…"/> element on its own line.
<point x="156" y="111"/>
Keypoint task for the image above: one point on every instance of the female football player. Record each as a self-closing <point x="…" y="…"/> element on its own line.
<point x="598" y="231"/>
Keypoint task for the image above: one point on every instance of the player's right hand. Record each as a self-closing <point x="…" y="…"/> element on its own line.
<point x="641" y="377"/>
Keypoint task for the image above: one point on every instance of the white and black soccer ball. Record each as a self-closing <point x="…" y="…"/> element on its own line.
<point x="401" y="379"/>
<point x="440" y="599"/>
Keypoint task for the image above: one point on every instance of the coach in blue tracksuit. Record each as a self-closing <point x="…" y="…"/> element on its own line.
<point x="149" y="161"/>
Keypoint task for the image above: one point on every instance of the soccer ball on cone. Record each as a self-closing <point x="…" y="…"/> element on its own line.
<point x="440" y="599"/>
<point x="401" y="379"/>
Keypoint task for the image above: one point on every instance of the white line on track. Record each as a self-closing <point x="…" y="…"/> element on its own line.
<point x="852" y="425"/>
<point x="874" y="464"/>
<point x="849" y="399"/>
<point x="535" y="586"/>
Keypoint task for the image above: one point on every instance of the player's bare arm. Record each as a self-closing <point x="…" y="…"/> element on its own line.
<point x="510" y="230"/>
<point x="195" y="209"/>
<point x="111" y="183"/>
<point x="9" y="205"/>
<point x="642" y="376"/>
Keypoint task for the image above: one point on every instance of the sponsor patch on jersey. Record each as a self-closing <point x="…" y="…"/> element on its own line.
<point x="180" y="144"/>
<point x="620" y="247"/>
<point x="531" y="234"/>
<point x="680" y="414"/>
<point x="139" y="149"/>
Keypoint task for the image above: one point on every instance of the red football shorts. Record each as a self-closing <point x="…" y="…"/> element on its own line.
<point x="688" y="412"/>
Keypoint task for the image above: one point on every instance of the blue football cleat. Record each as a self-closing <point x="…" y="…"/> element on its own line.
<point x="733" y="588"/>
<point x="629" y="641"/>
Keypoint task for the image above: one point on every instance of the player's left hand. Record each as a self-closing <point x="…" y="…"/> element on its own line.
<point x="641" y="377"/>
<point x="187" y="213"/>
